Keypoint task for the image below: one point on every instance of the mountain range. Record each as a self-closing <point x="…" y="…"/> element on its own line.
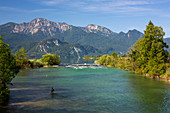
<point x="41" y="36"/>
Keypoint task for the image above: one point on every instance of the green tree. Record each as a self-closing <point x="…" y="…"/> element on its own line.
<point x="36" y="64"/>
<point x="148" y="55"/>
<point x="50" y="59"/>
<point x="114" y="54"/>
<point x="114" y="59"/>
<point x="103" y="60"/>
<point x="8" y="70"/>
<point x="109" y="60"/>
<point x="22" y="59"/>
<point x="21" y="54"/>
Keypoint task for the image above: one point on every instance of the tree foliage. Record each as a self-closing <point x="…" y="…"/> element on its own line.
<point x="108" y="60"/>
<point x="22" y="59"/>
<point x="50" y="59"/>
<point x="114" y="54"/>
<point x="8" y="70"/>
<point x="86" y="57"/>
<point x="148" y="55"/>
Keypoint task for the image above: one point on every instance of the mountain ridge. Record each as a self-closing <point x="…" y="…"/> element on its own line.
<point x="62" y="26"/>
<point x="29" y="34"/>
<point x="38" y="29"/>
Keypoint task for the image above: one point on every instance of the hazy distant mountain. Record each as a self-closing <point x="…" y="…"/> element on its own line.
<point x="28" y="35"/>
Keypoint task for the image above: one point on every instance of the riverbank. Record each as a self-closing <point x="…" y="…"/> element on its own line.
<point x="126" y="63"/>
<point x="146" y="75"/>
<point x="157" y="77"/>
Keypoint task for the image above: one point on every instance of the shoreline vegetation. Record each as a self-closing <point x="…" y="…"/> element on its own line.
<point x="48" y="60"/>
<point x="91" y="57"/>
<point x="123" y="66"/>
<point x="8" y="70"/>
<point x="147" y="56"/>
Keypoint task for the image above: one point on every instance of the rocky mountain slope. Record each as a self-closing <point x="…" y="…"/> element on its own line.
<point x="40" y="24"/>
<point x="91" y="28"/>
<point x="65" y="50"/>
<point x="50" y="28"/>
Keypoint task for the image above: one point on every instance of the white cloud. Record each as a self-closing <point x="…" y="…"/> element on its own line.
<point x="25" y="11"/>
<point x="128" y="3"/>
<point x="117" y="6"/>
<point x="133" y="7"/>
<point x="39" y="10"/>
<point x="77" y="4"/>
<point x="8" y="8"/>
<point x="53" y="2"/>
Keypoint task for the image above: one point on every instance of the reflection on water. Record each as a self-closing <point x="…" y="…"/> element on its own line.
<point x="100" y="89"/>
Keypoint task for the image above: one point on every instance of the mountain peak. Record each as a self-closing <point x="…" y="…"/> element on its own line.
<point x="134" y="30"/>
<point x="38" y="20"/>
<point x="98" y="29"/>
<point x="47" y="27"/>
<point x="92" y="26"/>
<point x="133" y="33"/>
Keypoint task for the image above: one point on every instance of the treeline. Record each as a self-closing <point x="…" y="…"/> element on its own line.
<point x="148" y="55"/>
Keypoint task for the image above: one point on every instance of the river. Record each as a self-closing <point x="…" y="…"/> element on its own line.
<point x="86" y="90"/>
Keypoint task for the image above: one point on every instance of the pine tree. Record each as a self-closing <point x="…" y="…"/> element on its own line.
<point x="148" y="55"/>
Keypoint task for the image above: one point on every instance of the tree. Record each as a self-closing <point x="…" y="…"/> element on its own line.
<point x="114" y="54"/>
<point x="148" y="55"/>
<point x="22" y="59"/>
<point x="115" y="59"/>
<point x="8" y="70"/>
<point x="102" y="60"/>
<point x="21" y="54"/>
<point x="50" y="59"/>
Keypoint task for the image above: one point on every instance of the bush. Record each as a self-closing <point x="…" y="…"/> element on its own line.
<point x="50" y="59"/>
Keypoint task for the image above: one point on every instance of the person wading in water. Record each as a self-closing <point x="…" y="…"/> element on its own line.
<point x="52" y="90"/>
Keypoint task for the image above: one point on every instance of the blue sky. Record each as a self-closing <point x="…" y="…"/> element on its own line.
<point x="117" y="15"/>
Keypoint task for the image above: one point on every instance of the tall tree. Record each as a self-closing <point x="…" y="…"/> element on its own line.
<point x="8" y="70"/>
<point x="22" y="58"/>
<point x="148" y="55"/>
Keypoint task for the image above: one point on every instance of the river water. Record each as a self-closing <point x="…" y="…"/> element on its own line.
<point x="87" y="90"/>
